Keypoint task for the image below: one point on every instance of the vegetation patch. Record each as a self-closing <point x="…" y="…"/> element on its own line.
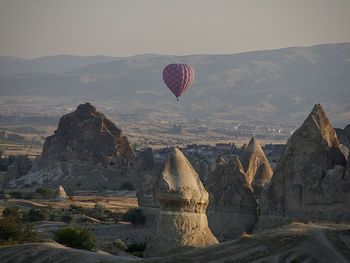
<point x="13" y="231"/>
<point x="127" y="186"/>
<point x="135" y="216"/>
<point x="75" y="237"/>
<point x="136" y="249"/>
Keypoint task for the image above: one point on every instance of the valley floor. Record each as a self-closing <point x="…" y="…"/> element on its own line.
<point x="293" y="243"/>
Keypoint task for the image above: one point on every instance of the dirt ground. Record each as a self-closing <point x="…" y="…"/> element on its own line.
<point x="113" y="203"/>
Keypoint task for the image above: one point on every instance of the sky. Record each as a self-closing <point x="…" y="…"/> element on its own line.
<point x="34" y="28"/>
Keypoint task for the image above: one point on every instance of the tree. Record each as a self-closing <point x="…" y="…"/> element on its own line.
<point x="75" y="237"/>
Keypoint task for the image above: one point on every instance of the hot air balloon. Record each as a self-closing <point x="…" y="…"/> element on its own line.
<point x="178" y="78"/>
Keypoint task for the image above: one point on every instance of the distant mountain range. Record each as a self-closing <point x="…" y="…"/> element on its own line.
<point x="47" y="65"/>
<point x="268" y="86"/>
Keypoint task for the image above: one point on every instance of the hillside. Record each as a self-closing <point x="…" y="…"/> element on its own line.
<point x="293" y="243"/>
<point x="263" y="86"/>
<point x="48" y="65"/>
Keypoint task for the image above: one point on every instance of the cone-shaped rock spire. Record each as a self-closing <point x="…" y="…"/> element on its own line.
<point x="256" y="166"/>
<point x="308" y="181"/>
<point x="183" y="200"/>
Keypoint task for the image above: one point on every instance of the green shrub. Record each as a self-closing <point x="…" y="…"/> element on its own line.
<point x="13" y="231"/>
<point x="134" y="216"/>
<point x="67" y="218"/>
<point x="37" y="215"/>
<point x="14" y="212"/>
<point x="75" y="237"/>
<point x="136" y="249"/>
<point x="76" y="209"/>
<point x="127" y="186"/>
<point x="16" y="194"/>
<point x="98" y="211"/>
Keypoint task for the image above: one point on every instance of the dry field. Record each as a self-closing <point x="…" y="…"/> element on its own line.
<point x="113" y="203"/>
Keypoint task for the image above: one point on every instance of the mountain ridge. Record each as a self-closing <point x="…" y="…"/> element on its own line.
<point x="274" y="86"/>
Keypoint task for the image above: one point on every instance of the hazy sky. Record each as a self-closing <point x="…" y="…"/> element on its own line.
<point x="33" y="28"/>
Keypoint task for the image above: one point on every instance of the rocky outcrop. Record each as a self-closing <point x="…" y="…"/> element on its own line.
<point x="145" y="199"/>
<point x="344" y="135"/>
<point x="183" y="200"/>
<point x="86" y="135"/>
<point x="232" y="207"/>
<point x="256" y="166"/>
<point x="19" y="167"/>
<point x="86" y="152"/>
<point x="60" y="193"/>
<point x="344" y="138"/>
<point x="202" y="165"/>
<point x="309" y="181"/>
<point x="242" y="150"/>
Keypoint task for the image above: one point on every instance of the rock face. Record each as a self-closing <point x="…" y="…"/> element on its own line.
<point x="61" y="193"/>
<point x="309" y="181"/>
<point x="86" y="135"/>
<point x="20" y="166"/>
<point x="151" y="171"/>
<point x="232" y="206"/>
<point x="256" y="166"/>
<point x="344" y="138"/>
<point x="87" y="152"/>
<point x="344" y="135"/>
<point x="145" y="199"/>
<point x="183" y="200"/>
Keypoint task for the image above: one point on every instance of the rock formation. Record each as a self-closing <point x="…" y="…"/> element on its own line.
<point x="202" y="166"/>
<point x="344" y="138"/>
<point x="60" y="193"/>
<point x="86" y="135"/>
<point x="309" y="181"/>
<point x="182" y="222"/>
<point x="242" y="150"/>
<point x="256" y="166"/>
<point x="145" y="199"/>
<point x="232" y="206"/>
<point x="19" y="167"/>
<point x="86" y="152"/>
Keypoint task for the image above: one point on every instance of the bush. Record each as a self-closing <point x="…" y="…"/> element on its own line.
<point x="67" y="218"/>
<point x="136" y="249"/>
<point x="127" y="186"/>
<point x="37" y="215"/>
<point x="13" y="231"/>
<point x="134" y="216"/>
<point x="76" y="209"/>
<point x="16" y="195"/>
<point x="45" y="192"/>
<point x="75" y="237"/>
<point x="14" y="212"/>
<point x="99" y="208"/>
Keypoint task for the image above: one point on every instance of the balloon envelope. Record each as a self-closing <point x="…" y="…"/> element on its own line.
<point x="178" y="77"/>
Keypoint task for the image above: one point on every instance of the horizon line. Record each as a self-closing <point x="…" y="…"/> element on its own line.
<point x="173" y="55"/>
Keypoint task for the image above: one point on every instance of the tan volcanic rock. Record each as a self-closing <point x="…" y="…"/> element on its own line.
<point x="257" y="167"/>
<point x="232" y="206"/>
<point x="182" y="221"/>
<point x="309" y="181"/>
<point x="86" y="135"/>
<point x="87" y="152"/>
<point x="61" y="193"/>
